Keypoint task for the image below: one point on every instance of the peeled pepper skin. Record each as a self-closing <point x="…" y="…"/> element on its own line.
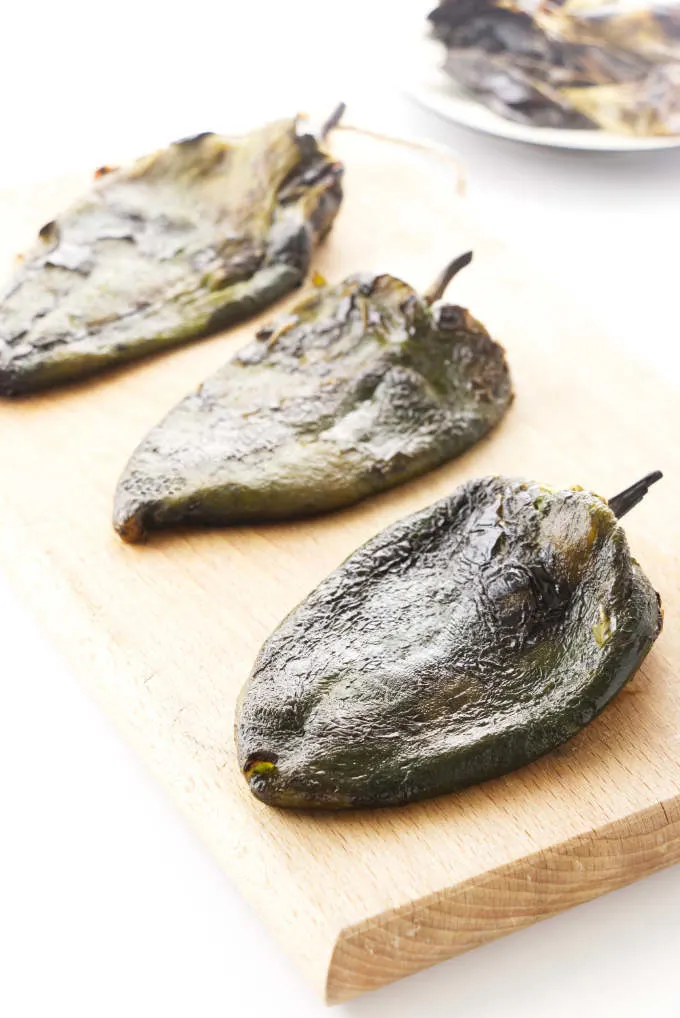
<point x="361" y="387"/>
<point x="459" y="644"/>
<point x="176" y="246"/>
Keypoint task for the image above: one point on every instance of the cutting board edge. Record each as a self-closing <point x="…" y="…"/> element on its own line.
<point x="440" y="926"/>
<point x="28" y="571"/>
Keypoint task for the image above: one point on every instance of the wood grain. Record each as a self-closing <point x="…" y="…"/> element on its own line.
<point x="165" y="634"/>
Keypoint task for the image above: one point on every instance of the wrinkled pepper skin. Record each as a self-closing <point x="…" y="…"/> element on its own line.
<point x="459" y="644"/>
<point x="362" y="387"/>
<point x="176" y="246"/>
<point x="575" y="65"/>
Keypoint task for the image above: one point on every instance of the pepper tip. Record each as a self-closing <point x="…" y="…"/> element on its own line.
<point x="440" y="284"/>
<point x="630" y="497"/>
<point x="332" y="121"/>
<point x="130" y="527"/>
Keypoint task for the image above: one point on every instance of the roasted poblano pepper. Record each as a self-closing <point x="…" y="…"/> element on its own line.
<point x="457" y="645"/>
<point x="178" y="245"/>
<point x="362" y="386"/>
<point x="568" y="64"/>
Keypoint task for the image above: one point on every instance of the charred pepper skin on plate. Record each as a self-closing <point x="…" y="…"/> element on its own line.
<point x="362" y="386"/>
<point x="598" y="65"/>
<point x="457" y="645"/>
<point x="178" y="245"/>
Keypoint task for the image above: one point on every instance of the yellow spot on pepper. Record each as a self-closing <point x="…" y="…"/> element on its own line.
<point x="604" y="628"/>
<point x="260" y="767"/>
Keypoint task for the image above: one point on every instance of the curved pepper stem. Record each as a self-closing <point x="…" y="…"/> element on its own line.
<point x="437" y="289"/>
<point x="332" y="121"/>
<point x="626" y="500"/>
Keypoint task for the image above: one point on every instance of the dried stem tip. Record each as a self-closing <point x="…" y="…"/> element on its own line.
<point x="626" y="500"/>
<point x="333" y="121"/>
<point x="437" y="289"/>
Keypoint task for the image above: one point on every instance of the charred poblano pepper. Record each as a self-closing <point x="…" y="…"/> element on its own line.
<point x="571" y="64"/>
<point x="362" y="386"/>
<point x="176" y="246"/>
<point x="457" y="645"/>
<point x="650" y="107"/>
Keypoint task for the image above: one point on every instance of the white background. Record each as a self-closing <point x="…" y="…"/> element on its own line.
<point x="108" y="905"/>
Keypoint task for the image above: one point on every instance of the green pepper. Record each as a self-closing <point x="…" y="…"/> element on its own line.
<point x="362" y="386"/>
<point x="176" y="246"/>
<point x="459" y="644"/>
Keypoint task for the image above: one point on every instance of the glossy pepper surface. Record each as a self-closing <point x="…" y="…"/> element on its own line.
<point x="362" y="386"/>
<point x="459" y="644"/>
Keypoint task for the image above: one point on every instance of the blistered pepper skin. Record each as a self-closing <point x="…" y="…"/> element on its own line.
<point x="361" y="387"/>
<point x="458" y="645"/>
<point x="178" y="245"/>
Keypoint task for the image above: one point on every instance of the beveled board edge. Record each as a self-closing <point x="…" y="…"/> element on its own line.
<point x="395" y="944"/>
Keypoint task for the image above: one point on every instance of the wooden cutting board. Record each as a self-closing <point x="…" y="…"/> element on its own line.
<point x="166" y="633"/>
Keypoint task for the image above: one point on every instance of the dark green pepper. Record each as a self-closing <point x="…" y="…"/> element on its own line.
<point x="179" y="245"/>
<point x="362" y="386"/>
<point x="457" y="645"/>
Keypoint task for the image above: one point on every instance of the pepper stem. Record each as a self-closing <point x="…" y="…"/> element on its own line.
<point x="332" y="121"/>
<point x="437" y="289"/>
<point x="626" y="500"/>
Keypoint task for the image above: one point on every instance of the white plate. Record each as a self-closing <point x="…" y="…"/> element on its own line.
<point x="431" y="87"/>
